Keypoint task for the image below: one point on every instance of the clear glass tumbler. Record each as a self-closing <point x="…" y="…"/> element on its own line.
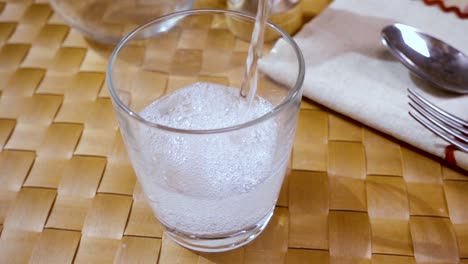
<point x="213" y="189"/>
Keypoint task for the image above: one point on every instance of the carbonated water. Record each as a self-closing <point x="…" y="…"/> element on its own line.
<point x="210" y="184"/>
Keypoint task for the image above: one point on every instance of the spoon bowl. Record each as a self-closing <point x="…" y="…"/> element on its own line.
<point x="428" y="57"/>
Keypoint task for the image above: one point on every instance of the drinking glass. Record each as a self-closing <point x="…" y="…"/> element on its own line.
<point x="212" y="189"/>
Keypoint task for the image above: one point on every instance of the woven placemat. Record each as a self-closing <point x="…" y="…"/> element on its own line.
<point x="69" y="194"/>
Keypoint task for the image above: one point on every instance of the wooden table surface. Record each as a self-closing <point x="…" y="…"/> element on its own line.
<point x="69" y="194"/>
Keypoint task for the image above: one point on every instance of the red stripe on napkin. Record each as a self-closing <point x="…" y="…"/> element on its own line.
<point x="450" y="155"/>
<point x="462" y="12"/>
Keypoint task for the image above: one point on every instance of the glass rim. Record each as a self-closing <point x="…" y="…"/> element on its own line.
<point x="276" y="110"/>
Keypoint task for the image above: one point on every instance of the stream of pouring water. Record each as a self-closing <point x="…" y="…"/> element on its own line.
<point x="250" y="79"/>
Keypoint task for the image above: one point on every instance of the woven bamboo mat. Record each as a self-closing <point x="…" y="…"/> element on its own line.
<point x="68" y="192"/>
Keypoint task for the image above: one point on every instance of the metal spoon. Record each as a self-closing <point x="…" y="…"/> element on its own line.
<point x="428" y="57"/>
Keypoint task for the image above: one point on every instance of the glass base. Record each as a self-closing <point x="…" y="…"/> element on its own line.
<point x="220" y="244"/>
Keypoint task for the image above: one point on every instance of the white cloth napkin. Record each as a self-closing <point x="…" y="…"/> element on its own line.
<point x="350" y="71"/>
